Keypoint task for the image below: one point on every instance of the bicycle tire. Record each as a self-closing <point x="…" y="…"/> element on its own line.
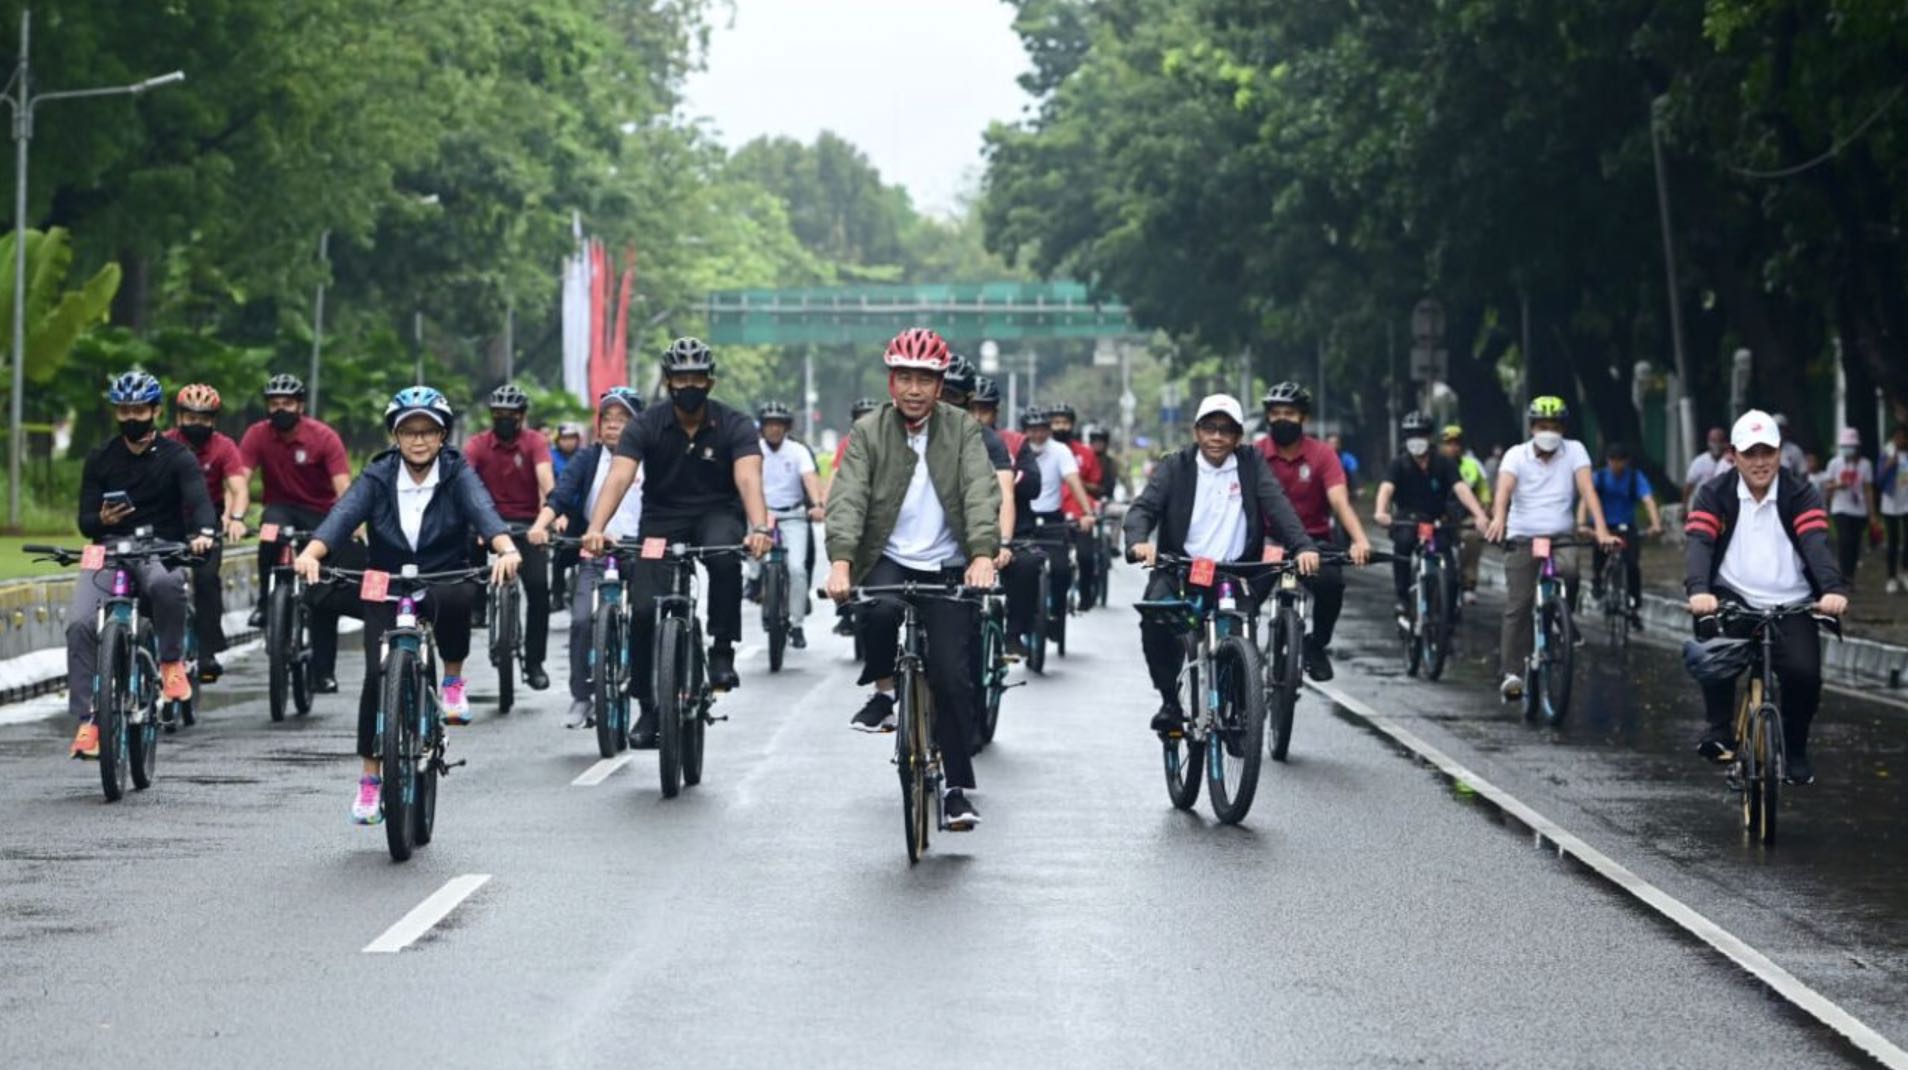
<point x="609" y="675"/>
<point x="142" y="734"/>
<point x="112" y="689"/>
<point x="1770" y="756"/>
<point x="1414" y="647"/>
<point x="672" y="698"/>
<point x="1238" y="740"/>
<point x="1561" y="655"/>
<point x="904" y="763"/>
<point x="1043" y="608"/>
<point x="775" y="612"/>
<point x="401" y="690"/>
<point x="696" y="725"/>
<point x="1743" y="769"/>
<point x="920" y="748"/>
<point x="1183" y="755"/>
<point x="1285" y="670"/>
<point x="993" y="676"/>
<point x="1437" y="630"/>
<point x="424" y="814"/>
<point x="186" y="714"/>
<point x="503" y="644"/>
<point x="301" y="657"/>
<point x="278" y="649"/>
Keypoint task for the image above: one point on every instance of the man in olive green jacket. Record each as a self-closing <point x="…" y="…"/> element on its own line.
<point x="915" y="497"/>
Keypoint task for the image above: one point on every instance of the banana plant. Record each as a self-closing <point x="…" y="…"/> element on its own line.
<point x="56" y="316"/>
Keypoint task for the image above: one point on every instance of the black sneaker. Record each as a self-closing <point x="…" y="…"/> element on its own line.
<point x="257" y="619"/>
<point x="876" y="716"/>
<point x="643" y="735"/>
<point x="324" y="685"/>
<point x="961" y="815"/>
<point x="752" y="590"/>
<point x="1718" y="744"/>
<point x="536" y="678"/>
<point x="1318" y="665"/>
<point x="1799" y="770"/>
<point x="722" y="675"/>
<point x="796" y="639"/>
<point x="210" y="669"/>
<point x="1636" y="620"/>
<point x="845" y="627"/>
<point x="1170" y="719"/>
<point x="1016" y="648"/>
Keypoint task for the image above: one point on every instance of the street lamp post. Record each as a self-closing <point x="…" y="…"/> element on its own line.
<point x="23" y="102"/>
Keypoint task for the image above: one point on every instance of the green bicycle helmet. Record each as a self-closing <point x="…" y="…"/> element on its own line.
<point x="1548" y="407"/>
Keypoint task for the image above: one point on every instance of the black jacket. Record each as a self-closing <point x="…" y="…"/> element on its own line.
<point x="1712" y="522"/>
<point x="162" y="481"/>
<point x="443" y="542"/>
<point x="572" y="490"/>
<point x="1167" y="504"/>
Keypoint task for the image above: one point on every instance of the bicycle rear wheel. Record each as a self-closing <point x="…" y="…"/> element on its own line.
<point x="775" y="612"/>
<point x="1238" y="737"/>
<point x="424" y="813"/>
<point x="697" y="723"/>
<point x="673" y="698"/>
<point x="142" y="717"/>
<point x="1288" y="662"/>
<point x="609" y="673"/>
<point x="1043" y="608"/>
<point x="1560" y="655"/>
<point x="402" y="692"/>
<point x="1183" y="755"/>
<point x="279" y="648"/>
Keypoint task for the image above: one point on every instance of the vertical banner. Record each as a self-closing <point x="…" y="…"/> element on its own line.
<point x="576" y="315"/>
<point x="619" y="343"/>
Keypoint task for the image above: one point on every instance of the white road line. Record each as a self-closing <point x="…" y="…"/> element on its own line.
<point x="427" y="914"/>
<point x="601" y="771"/>
<point x="1784" y="983"/>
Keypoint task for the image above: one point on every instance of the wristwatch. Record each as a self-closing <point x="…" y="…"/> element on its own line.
<point x="761" y="529"/>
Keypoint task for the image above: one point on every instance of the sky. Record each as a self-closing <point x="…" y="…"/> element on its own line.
<point x="861" y="69"/>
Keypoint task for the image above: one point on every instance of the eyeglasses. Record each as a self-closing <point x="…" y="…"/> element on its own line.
<point x="1215" y="428"/>
<point x="419" y="434"/>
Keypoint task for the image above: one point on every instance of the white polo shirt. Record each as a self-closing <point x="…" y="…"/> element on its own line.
<point x="1057" y="462"/>
<point x="1218" y="526"/>
<point x="782" y="471"/>
<point x="1703" y="468"/>
<point x="627" y="519"/>
<point x="413" y="498"/>
<point x="921" y="539"/>
<point x="1761" y="564"/>
<point x="1545" y="500"/>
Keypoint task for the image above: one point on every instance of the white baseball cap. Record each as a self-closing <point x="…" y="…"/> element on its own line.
<point x="1225" y="403"/>
<point x="1755" y="428"/>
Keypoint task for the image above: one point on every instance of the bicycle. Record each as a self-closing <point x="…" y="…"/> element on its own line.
<point x="503" y="623"/>
<point x="287" y="625"/>
<point x="917" y="757"/>
<point x="1222" y="686"/>
<point x="1106" y="533"/>
<point x="127" y="706"/>
<point x="609" y="650"/>
<point x="992" y="665"/>
<point x="1761" y="759"/>
<point x="410" y="730"/>
<point x="1282" y="643"/>
<point x="1091" y="574"/>
<point x="1425" y="629"/>
<point x="1552" y="662"/>
<point x="775" y="596"/>
<point x="682" y="693"/>
<point x="1037" y="550"/>
<point x="1613" y="580"/>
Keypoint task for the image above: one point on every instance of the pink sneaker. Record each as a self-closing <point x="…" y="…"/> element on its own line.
<point x="366" y="810"/>
<point x="456" y="703"/>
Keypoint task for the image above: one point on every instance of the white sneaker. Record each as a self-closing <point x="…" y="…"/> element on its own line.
<point x="578" y="715"/>
<point x="1470" y="598"/>
<point x="1894" y="585"/>
<point x="1512" y="688"/>
<point x="365" y="807"/>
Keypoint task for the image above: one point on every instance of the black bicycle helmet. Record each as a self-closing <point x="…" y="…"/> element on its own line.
<point x="774" y="410"/>
<point x="1717" y="661"/>
<point x="284" y="386"/>
<point x="959" y="380"/>
<point x="1415" y="425"/>
<point x="1098" y="433"/>
<point x="688" y="355"/>
<point x="986" y="391"/>
<point x="1035" y="416"/>
<point x="1288" y="393"/>
<point x="1063" y="409"/>
<point x="508" y="396"/>
<point x="862" y="407"/>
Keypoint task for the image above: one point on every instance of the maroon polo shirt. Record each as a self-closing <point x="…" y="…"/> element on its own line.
<point x="1306" y="478"/>
<point x="219" y="458"/>
<point x="297" y="470"/>
<point x="509" y="470"/>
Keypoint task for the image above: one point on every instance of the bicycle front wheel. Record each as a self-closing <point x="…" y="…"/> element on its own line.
<point x="1560" y="656"/>
<point x="609" y="676"/>
<point x="112" y="696"/>
<point x="673" y="699"/>
<point x="401" y="696"/>
<point x="993" y="676"/>
<point x="279" y="651"/>
<point x="1238" y="734"/>
<point x="504" y="617"/>
<point x="775" y="612"/>
<point x="1287" y="663"/>
<point x="911" y="759"/>
<point x="1436" y="627"/>
<point x="1764" y="792"/>
<point x="1184" y="755"/>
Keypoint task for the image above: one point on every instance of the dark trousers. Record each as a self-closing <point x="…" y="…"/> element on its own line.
<point x="1083" y="548"/>
<point x="533" y="572"/>
<point x="722" y="606"/>
<point x="1022" y="580"/>
<point x="1896" y="557"/>
<point x="951" y="628"/>
<point x="1166" y="650"/>
<point x="1328" y="599"/>
<point x="1798" y="670"/>
<point x="447" y="606"/>
<point x="324" y="618"/>
<point x="208" y="603"/>
<point x="1849" y="531"/>
<point x="1632" y="564"/>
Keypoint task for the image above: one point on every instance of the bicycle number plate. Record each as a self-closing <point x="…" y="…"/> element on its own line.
<point x="1288" y="581"/>
<point x="374" y="586"/>
<point x="1273" y="554"/>
<point x="268" y="533"/>
<point x="93" y="557"/>
<point x="1203" y="569"/>
<point x="1540" y="549"/>
<point x="654" y="548"/>
<point x="1425" y="530"/>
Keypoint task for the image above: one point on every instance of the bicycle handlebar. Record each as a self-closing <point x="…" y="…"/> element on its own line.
<point x="452" y="576"/>
<point x="144" y="548"/>
<point x="1738" y="611"/>
<point x="946" y="592"/>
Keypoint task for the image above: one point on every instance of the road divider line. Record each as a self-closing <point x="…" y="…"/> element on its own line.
<point x="1779" y="980"/>
<point x="601" y="771"/>
<point x="425" y="916"/>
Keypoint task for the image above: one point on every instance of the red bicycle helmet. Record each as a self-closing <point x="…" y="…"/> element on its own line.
<point x="918" y="347"/>
<point x="198" y="397"/>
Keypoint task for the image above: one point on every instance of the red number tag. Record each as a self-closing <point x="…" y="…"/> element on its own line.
<point x="374" y="586"/>
<point x="654" y="548"/>
<point x="1425" y="528"/>
<point x="93" y="557"/>
<point x="1202" y="572"/>
<point x="1540" y="548"/>
<point x="1274" y="554"/>
<point x="268" y="533"/>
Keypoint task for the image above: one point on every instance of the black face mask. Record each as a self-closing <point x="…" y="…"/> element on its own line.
<point x="506" y="427"/>
<point x="1064" y="436"/>
<point x="284" y="419"/>
<point x="689" y="398"/>
<point x="134" y="430"/>
<point x="197" y="434"/>
<point x="1286" y="432"/>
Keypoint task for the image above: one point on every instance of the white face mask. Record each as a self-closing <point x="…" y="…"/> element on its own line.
<point x="1548" y="441"/>
<point x="1850" y="451"/>
<point x="1417" y="447"/>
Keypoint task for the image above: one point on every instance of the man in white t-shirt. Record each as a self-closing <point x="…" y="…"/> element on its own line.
<point x="1537" y="490"/>
<point x="1705" y="466"/>
<point x="792" y="488"/>
<point x="1043" y="521"/>
<point x="1849" y="484"/>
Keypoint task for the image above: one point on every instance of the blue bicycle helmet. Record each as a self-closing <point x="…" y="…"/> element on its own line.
<point x="1717" y="661"/>
<point x="135" y="388"/>
<point x="413" y="399"/>
<point x="620" y="395"/>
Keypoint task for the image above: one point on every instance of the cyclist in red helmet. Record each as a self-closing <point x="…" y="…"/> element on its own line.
<point x="228" y="483"/>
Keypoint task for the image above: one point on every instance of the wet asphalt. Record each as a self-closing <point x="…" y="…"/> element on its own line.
<point x="1364" y="915"/>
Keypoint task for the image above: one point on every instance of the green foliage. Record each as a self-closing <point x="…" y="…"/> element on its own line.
<point x="55" y="315"/>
